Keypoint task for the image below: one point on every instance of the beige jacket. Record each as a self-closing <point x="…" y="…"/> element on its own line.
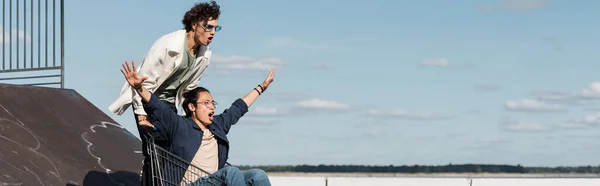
<point x="159" y="64"/>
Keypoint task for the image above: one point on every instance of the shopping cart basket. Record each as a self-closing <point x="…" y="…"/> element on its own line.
<point x="167" y="169"/>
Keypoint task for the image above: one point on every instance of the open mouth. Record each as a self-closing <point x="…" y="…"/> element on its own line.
<point x="210" y="38"/>
<point x="210" y="115"/>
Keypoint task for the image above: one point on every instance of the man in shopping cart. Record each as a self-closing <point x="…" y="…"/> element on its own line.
<point x="174" y="64"/>
<point x="200" y="137"/>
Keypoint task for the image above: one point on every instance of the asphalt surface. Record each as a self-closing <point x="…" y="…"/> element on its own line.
<point x="54" y="136"/>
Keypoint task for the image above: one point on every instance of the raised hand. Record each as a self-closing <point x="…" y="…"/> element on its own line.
<point x="268" y="80"/>
<point x="131" y="75"/>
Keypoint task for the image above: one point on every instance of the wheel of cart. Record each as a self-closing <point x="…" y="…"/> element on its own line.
<point x="167" y="169"/>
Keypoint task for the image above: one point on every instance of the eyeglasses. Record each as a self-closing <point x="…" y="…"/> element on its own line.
<point x="209" y="27"/>
<point x="207" y="102"/>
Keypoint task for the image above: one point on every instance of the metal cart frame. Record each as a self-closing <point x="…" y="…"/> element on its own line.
<point x="168" y="169"/>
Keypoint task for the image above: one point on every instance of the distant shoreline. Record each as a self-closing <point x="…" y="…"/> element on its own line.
<point x="450" y="170"/>
<point x="437" y="175"/>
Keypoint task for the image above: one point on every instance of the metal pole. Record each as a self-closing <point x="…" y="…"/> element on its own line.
<point x="17" y="53"/>
<point x="46" y="41"/>
<point x="39" y="34"/>
<point x="3" y="28"/>
<point x="24" y="34"/>
<point x="53" y="32"/>
<point x="31" y="37"/>
<point x="62" y="44"/>
<point x="10" y="34"/>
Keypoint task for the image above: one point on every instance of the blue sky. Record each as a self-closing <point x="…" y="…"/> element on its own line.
<point x="375" y="82"/>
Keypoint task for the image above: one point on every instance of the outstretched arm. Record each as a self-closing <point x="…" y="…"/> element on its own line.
<point x="135" y="81"/>
<point x="155" y="108"/>
<point x="240" y="106"/>
<point x="252" y="95"/>
<point x="146" y="69"/>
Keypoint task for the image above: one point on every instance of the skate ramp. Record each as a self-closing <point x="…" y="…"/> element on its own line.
<point x="54" y="136"/>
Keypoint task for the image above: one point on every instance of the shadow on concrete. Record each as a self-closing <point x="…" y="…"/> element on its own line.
<point x="120" y="178"/>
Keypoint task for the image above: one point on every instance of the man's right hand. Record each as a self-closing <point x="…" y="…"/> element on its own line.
<point x="135" y="81"/>
<point x="131" y="75"/>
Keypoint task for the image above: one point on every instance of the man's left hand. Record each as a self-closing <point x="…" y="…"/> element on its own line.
<point x="268" y="80"/>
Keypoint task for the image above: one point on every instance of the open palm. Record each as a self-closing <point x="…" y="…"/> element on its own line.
<point x="268" y="79"/>
<point x="131" y="75"/>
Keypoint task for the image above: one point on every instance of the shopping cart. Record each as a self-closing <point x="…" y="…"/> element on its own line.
<point x="167" y="169"/>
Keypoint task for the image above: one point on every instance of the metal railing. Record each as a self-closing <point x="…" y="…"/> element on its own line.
<point x="30" y="52"/>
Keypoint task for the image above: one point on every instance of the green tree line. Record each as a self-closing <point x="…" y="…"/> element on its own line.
<point x="450" y="168"/>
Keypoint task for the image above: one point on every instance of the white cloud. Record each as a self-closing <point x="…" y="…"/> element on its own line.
<point x="517" y="126"/>
<point x="553" y="95"/>
<point x="443" y="63"/>
<point x="580" y="97"/>
<point x="561" y="97"/>
<point x="572" y="125"/>
<point x="591" y="119"/>
<point x="263" y="111"/>
<point x="592" y="91"/>
<point x="319" y="104"/>
<point x="245" y="63"/>
<point x="526" y="127"/>
<point x="586" y="121"/>
<point x="581" y="123"/>
<point x="494" y="140"/>
<point x="435" y="62"/>
<point x="403" y="114"/>
<point x="488" y="87"/>
<point x="529" y="105"/>
<point x="15" y="34"/>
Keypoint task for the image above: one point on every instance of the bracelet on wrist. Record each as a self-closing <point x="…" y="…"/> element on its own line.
<point x="261" y="88"/>
<point x="259" y="93"/>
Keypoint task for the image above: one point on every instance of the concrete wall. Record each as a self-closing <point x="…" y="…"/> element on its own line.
<point x="367" y="181"/>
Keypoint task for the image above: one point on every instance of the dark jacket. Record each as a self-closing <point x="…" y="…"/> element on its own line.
<point x="185" y="135"/>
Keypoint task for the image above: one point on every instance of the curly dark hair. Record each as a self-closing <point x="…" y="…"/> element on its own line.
<point x="201" y="12"/>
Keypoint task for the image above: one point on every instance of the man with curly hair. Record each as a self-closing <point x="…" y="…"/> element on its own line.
<point x="200" y="137"/>
<point x="173" y="65"/>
